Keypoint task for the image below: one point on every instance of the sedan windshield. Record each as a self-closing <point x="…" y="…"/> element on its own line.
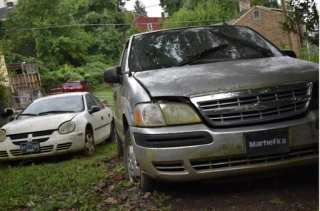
<point x="189" y="46"/>
<point x="66" y="104"/>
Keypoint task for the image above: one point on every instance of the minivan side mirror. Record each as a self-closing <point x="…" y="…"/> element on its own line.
<point x="112" y="75"/>
<point x="290" y="53"/>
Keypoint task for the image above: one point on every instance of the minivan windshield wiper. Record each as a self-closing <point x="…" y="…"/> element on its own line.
<point x="55" y="112"/>
<point x="200" y="55"/>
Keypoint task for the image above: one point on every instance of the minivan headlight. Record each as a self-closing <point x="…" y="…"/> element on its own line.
<point x="66" y="127"/>
<point x="3" y="135"/>
<point x="148" y="115"/>
<point x="157" y="115"/>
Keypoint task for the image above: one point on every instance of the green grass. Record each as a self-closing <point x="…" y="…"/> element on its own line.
<point x="105" y="95"/>
<point x="56" y="186"/>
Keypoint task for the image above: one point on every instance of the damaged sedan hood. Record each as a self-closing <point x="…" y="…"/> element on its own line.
<point x="206" y="78"/>
<point x="39" y="123"/>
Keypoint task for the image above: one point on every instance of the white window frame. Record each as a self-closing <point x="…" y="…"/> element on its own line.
<point x="259" y="16"/>
<point x="149" y="25"/>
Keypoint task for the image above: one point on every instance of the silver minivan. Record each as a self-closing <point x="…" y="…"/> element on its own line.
<point x="209" y="102"/>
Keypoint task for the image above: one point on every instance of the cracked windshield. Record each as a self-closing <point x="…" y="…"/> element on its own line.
<point x="178" y="105"/>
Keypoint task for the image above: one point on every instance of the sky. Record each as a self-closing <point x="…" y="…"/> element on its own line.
<point x="154" y="10"/>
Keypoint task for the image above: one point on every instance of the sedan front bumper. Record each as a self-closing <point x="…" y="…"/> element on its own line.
<point x="225" y="152"/>
<point x="55" y="144"/>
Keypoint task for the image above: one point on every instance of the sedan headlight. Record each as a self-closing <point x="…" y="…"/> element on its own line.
<point x="66" y="127"/>
<point x="157" y="115"/>
<point x="3" y="135"/>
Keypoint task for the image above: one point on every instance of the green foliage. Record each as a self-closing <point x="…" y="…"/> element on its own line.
<point x="304" y="54"/>
<point x="205" y="13"/>
<point x="66" y="38"/>
<point x="306" y="14"/>
<point x="139" y="8"/>
<point x="266" y="3"/>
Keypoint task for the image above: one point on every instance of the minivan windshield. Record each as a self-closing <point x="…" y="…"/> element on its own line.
<point x="187" y="46"/>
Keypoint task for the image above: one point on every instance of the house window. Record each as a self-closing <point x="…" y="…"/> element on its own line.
<point x="256" y="15"/>
<point x="149" y="26"/>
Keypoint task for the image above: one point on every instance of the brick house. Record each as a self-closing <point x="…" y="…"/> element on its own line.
<point x="266" y="21"/>
<point x="148" y="23"/>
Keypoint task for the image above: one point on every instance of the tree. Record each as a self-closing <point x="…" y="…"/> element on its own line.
<point x="266" y="3"/>
<point x="51" y="34"/>
<point x="204" y="13"/>
<point x="304" y="13"/>
<point x="139" y="8"/>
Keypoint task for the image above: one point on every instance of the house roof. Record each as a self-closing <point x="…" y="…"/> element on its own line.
<point x="246" y="11"/>
<point x="150" y="19"/>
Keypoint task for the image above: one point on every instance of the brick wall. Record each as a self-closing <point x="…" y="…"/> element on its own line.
<point x="268" y="26"/>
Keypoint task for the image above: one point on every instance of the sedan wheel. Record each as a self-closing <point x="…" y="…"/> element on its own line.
<point x="89" y="147"/>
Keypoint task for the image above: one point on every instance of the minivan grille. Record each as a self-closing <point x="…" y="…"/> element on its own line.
<point x="169" y="167"/>
<point x="255" y="105"/>
<point x="201" y="165"/>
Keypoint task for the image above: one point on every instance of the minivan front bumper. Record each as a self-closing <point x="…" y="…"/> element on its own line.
<point x="197" y="152"/>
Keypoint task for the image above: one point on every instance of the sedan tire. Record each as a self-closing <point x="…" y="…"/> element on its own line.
<point x="89" y="145"/>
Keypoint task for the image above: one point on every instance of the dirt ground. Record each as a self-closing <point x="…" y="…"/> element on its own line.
<point x="296" y="190"/>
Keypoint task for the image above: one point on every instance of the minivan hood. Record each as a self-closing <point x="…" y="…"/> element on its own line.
<point x="39" y="123"/>
<point x="206" y="78"/>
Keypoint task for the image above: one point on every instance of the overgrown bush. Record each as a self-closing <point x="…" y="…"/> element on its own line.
<point x="313" y="56"/>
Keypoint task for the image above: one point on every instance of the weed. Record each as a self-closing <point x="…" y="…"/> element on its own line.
<point x="159" y="199"/>
<point x="277" y="201"/>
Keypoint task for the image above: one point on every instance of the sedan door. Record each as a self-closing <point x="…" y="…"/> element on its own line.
<point x="96" y="119"/>
<point x="106" y="115"/>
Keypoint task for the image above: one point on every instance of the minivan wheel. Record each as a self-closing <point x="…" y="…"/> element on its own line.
<point x="119" y="144"/>
<point x="131" y="168"/>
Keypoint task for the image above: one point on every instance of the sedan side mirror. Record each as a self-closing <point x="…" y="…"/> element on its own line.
<point x="112" y="75"/>
<point x="94" y="109"/>
<point x="290" y="53"/>
<point x="9" y="112"/>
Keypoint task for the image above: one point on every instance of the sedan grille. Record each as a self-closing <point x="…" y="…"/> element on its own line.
<point x="64" y="146"/>
<point x="245" y="161"/>
<point x="254" y="105"/>
<point x="3" y="154"/>
<point x="34" y="134"/>
<point x="43" y="149"/>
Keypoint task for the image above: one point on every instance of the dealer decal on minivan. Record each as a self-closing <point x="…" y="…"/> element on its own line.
<point x="276" y="141"/>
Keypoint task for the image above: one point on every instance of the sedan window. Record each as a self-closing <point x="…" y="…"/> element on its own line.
<point x="97" y="102"/>
<point x="90" y="101"/>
